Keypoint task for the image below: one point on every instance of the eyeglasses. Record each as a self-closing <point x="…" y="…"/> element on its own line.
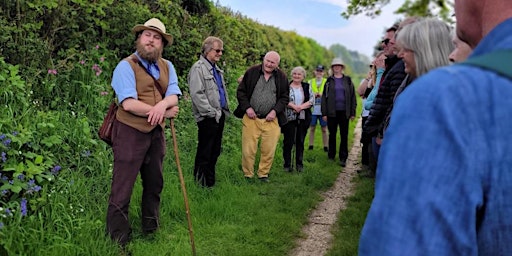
<point x="218" y="50"/>
<point x="385" y="41"/>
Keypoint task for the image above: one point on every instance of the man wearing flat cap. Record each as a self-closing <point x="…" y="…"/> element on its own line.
<point x="147" y="90"/>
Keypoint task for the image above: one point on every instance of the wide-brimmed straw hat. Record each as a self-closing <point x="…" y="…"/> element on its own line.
<point x="155" y="25"/>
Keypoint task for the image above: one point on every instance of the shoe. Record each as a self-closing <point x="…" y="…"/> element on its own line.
<point x="343" y="163"/>
<point x="310" y="148"/>
<point x="263" y="179"/>
<point x="326" y="149"/>
<point x="288" y="169"/>
<point x="300" y="168"/>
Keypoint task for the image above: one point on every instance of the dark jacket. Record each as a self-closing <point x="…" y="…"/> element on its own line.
<point x="307" y="95"/>
<point x="384" y="99"/>
<point x="329" y="97"/>
<point x="246" y="88"/>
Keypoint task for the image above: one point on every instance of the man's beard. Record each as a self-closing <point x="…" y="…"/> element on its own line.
<point x="152" y="56"/>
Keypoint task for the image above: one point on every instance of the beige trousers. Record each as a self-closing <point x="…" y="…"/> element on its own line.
<point x="252" y="131"/>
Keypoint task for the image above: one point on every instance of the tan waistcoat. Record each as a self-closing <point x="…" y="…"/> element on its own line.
<point x="147" y="93"/>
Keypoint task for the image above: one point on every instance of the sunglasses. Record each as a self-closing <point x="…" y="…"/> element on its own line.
<point x="218" y="50"/>
<point x="385" y="41"/>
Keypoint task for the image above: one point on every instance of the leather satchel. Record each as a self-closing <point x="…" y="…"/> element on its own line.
<point x="105" y="131"/>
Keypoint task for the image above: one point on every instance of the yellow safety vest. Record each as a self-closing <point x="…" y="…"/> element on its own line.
<point x="315" y="87"/>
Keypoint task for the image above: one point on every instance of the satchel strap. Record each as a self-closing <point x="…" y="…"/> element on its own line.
<point x="498" y="62"/>
<point x="157" y="84"/>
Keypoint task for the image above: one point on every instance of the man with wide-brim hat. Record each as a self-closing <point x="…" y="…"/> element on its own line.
<point x="146" y="86"/>
<point x="155" y="25"/>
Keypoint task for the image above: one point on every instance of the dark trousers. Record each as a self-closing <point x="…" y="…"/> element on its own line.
<point x="333" y="123"/>
<point x="366" y="141"/>
<point x="135" y="152"/>
<point x="209" y="137"/>
<point x="294" y="133"/>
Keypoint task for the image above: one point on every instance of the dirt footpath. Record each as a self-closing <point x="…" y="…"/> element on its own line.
<point x="318" y="237"/>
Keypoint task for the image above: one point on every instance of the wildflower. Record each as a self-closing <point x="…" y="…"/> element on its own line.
<point x="5" y="178"/>
<point x="97" y="47"/>
<point x="31" y="182"/>
<point x="102" y="59"/>
<point x="82" y="62"/>
<point x="103" y="93"/>
<point x="86" y="153"/>
<point x="37" y="188"/>
<point x="98" y="73"/>
<point x="2" y="136"/>
<point x="15" y="133"/>
<point x="7" y="142"/>
<point x="21" y="177"/>
<point x="23" y="207"/>
<point x="56" y="169"/>
<point x="4" y="157"/>
<point x="4" y="192"/>
<point x="52" y="71"/>
<point x="1" y="225"/>
<point x="11" y="182"/>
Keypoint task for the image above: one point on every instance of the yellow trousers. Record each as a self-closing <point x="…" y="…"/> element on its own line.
<point x="252" y="131"/>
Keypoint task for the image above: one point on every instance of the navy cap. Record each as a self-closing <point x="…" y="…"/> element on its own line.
<point x="320" y="68"/>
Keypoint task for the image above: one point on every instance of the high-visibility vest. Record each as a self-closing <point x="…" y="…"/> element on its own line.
<point x="315" y="87"/>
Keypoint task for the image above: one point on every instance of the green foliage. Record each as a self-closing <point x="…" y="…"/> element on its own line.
<point x="421" y="8"/>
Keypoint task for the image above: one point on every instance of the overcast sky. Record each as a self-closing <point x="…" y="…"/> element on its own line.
<point x="320" y="20"/>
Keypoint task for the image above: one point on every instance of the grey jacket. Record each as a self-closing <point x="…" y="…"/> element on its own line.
<point x="204" y="91"/>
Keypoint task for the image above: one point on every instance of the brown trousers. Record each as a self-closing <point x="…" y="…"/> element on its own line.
<point x="135" y="152"/>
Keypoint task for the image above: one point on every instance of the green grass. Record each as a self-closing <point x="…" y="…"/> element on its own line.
<point x="236" y="217"/>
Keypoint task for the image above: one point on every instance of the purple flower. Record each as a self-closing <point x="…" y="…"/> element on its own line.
<point x="82" y="62"/>
<point x="7" y="142"/>
<point x="1" y="225"/>
<point x="15" y="133"/>
<point x="23" y="207"/>
<point x="31" y="182"/>
<point x="4" y="192"/>
<point x="8" y="211"/>
<point x="2" y="136"/>
<point x="11" y="182"/>
<point x="4" y="157"/>
<point x="37" y="188"/>
<point x="86" y="153"/>
<point x="102" y="59"/>
<point x="97" y="47"/>
<point x="56" y="169"/>
<point x="21" y="177"/>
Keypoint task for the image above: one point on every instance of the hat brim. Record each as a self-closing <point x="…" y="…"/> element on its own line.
<point x="140" y="27"/>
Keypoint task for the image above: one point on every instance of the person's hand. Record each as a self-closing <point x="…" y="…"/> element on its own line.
<point x="378" y="140"/>
<point x="250" y="113"/>
<point x="318" y="95"/>
<point x="172" y="112"/>
<point x="271" y="116"/>
<point x="324" y="118"/>
<point x="352" y="118"/>
<point x="156" y="114"/>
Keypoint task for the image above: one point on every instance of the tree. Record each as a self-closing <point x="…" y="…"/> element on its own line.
<point x="422" y="8"/>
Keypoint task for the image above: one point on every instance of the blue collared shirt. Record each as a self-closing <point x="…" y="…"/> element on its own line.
<point x="123" y="80"/>
<point x="444" y="177"/>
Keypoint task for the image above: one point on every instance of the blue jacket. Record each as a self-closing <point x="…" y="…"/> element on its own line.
<point x="444" y="178"/>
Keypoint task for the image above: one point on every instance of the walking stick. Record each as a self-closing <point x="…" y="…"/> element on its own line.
<point x="183" y="189"/>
